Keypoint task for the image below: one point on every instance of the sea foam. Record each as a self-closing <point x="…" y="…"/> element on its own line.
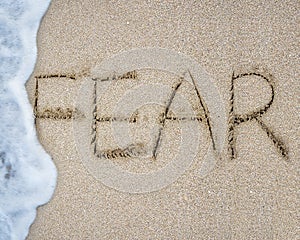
<point x="27" y="174"/>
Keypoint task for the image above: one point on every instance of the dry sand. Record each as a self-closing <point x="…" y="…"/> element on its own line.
<point x="251" y="197"/>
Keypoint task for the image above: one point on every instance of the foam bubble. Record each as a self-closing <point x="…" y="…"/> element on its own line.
<point x="27" y="174"/>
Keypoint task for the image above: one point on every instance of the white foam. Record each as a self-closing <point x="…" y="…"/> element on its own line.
<point x="27" y="174"/>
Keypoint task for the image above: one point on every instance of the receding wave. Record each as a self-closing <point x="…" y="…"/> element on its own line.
<point x="27" y="174"/>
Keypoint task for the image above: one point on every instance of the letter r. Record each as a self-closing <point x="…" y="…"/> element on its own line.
<point x="237" y="119"/>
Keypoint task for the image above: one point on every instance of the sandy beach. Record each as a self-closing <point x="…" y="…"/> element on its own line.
<point x="240" y="59"/>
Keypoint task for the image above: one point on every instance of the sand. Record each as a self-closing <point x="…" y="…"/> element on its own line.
<point x="253" y="196"/>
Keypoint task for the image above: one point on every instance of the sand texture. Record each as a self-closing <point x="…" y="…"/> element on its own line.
<point x="166" y="74"/>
